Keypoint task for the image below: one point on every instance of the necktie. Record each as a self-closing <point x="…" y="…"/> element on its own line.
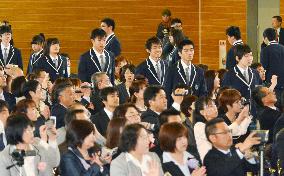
<point x="246" y="76"/>
<point x="55" y="63"/>
<point x="102" y="62"/>
<point x="229" y="154"/>
<point x="5" y="57"/>
<point x="277" y="36"/>
<point x="158" y="70"/>
<point x="187" y="74"/>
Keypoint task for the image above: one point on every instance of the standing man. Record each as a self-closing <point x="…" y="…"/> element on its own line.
<point x="97" y="59"/>
<point x="164" y="27"/>
<point x="112" y="42"/>
<point x="184" y="72"/>
<point x="153" y="68"/>
<point x="234" y="38"/>
<point x="276" y="24"/>
<point x="9" y="54"/>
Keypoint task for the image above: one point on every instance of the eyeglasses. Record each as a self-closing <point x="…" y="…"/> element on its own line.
<point x="133" y="115"/>
<point x="224" y="132"/>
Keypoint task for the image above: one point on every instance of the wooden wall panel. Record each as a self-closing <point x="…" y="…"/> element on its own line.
<point x="216" y="16"/>
<point x="72" y="20"/>
<point x="282" y="9"/>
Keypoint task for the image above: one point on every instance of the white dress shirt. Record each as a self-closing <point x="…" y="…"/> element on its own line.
<point x="109" y="114"/>
<point x="202" y="143"/>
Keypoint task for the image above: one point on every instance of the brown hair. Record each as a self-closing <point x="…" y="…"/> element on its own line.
<point x="23" y="105"/>
<point x="228" y="97"/>
<point x="113" y="132"/>
<point x="135" y="87"/>
<point x="121" y="110"/>
<point x="75" y="82"/>
<point x="169" y="132"/>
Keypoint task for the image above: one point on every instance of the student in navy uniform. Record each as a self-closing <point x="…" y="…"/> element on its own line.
<point x="51" y="61"/>
<point x="97" y="59"/>
<point x="184" y="72"/>
<point x="112" y="42"/>
<point x="271" y="58"/>
<point x="37" y="46"/>
<point x="242" y="77"/>
<point x="9" y="54"/>
<point x="4" y="95"/>
<point x="276" y="24"/>
<point x="153" y="68"/>
<point x="234" y="38"/>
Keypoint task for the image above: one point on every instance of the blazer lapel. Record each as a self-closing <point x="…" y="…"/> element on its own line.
<point x="109" y="39"/>
<point x="152" y="70"/>
<point x="2" y="59"/>
<point x="192" y="75"/>
<point x="163" y="69"/>
<point x="107" y="58"/>
<point x="95" y="60"/>
<point x="10" y="54"/>
<point x="37" y="57"/>
<point x="240" y="76"/>
<point x="181" y="72"/>
<point x="50" y="62"/>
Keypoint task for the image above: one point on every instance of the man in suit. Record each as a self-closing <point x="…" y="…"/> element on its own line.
<point x="153" y="68"/>
<point x="4" y="95"/>
<point x="51" y="62"/>
<point x="276" y="24"/>
<point x="37" y="47"/>
<point x="110" y="98"/>
<point x="64" y="97"/>
<point x="225" y="159"/>
<point x="112" y="42"/>
<point x="184" y="72"/>
<point x="9" y="54"/>
<point x="97" y="59"/>
<point x="234" y="38"/>
<point x="4" y="114"/>
<point x="272" y="59"/>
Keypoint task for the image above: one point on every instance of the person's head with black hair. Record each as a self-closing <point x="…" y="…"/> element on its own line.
<point x="114" y="130"/>
<point x="170" y="115"/>
<point x="269" y="34"/>
<point x="19" y="130"/>
<point x="127" y="73"/>
<point x="136" y="90"/>
<point x="42" y="77"/>
<point x="32" y="90"/>
<point x="186" y="51"/>
<point x="166" y="15"/>
<point x="263" y="96"/>
<point x="74" y="114"/>
<point x="204" y="110"/>
<point x="98" y="39"/>
<point x="233" y="34"/>
<point x="4" y="112"/>
<point x="5" y="35"/>
<point x="186" y="105"/>
<point x="110" y="98"/>
<point x="258" y="66"/>
<point x="63" y="93"/>
<point x="176" y="36"/>
<point x="154" y="48"/>
<point x="27" y="107"/>
<point x="276" y="21"/>
<point x="38" y="42"/>
<point x="155" y="98"/>
<point x="244" y="56"/>
<point x="51" y="47"/>
<point x="176" y="23"/>
<point x="108" y="25"/>
<point x="212" y="82"/>
<point x="17" y="85"/>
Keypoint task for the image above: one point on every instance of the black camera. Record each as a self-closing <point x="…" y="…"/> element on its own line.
<point x="245" y="101"/>
<point x="19" y="155"/>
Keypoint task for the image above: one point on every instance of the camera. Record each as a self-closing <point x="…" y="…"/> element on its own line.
<point x="19" y="155"/>
<point x="263" y="134"/>
<point x="245" y="101"/>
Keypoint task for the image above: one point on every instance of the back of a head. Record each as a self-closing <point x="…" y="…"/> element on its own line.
<point x="257" y="95"/>
<point x="186" y="104"/>
<point x="270" y="34"/>
<point x="165" y="115"/>
<point x="234" y="31"/>
<point x="256" y="65"/>
<point x="113" y="132"/>
<point x="175" y="21"/>
<point x="72" y="115"/>
<point x="30" y="86"/>
<point x="17" y="85"/>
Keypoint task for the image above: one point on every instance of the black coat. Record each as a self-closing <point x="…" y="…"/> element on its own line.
<point x="101" y="121"/>
<point x="10" y="99"/>
<point x="281" y="36"/>
<point x="45" y="63"/>
<point x="122" y="92"/>
<point x="14" y="57"/>
<point x="97" y="101"/>
<point x="33" y="60"/>
<point x="59" y="112"/>
<point x="217" y="163"/>
<point x="113" y="45"/>
<point x="89" y="64"/>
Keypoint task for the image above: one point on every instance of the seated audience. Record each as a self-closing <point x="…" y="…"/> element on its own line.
<point x="4" y="95"/>
<point x="173" y="139"/>
<point x="225" y="159"/>
<point x="127" y="77"/>
<point x="119" y="62"/>
<point x="4" y="114"/>
<point x="135" y="158"/>
<point x="136" y="91"/>
<point x="16" y="88"/>
<point x="212" y="82"/>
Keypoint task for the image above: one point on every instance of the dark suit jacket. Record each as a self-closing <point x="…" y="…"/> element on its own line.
<point x="217" y="163"/>
<point x="14" y="57"/>
<point x="147" y="69"/>
<point x="101" y="121"/>
<point x="113" y="45"/>
<point x="281" y="36"/>
<point x="176" y="75"/>
<point x="33" y="60"/>
<point x="123" y="94"/>
<point x="89" y="64"/>
<point x="59" y="112"/>
<point x="150" y="117"/>
<point x="10" y="99"/>
<point x="272" y="60"/>
<point x="2" y="145"/>
<point x="279" y="124"/>
<point x="97" y="101"/>
<point x="231" y="56"/>
<point x="45" y="63"/>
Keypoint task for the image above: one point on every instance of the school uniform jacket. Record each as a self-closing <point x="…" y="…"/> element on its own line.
<point x="14" y="57"/>
<point x="33" y="60"/>
<point x="89" y="64"/>
<point x="147" y="69"/>
<point x="45" y="63"/>
<point x="176" y="75"/>
<point x="113" y="45"/>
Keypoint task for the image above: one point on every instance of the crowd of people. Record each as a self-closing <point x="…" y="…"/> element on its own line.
<point x="165" y="116"/>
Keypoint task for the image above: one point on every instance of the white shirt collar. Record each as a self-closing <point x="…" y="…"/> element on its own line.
<point x="38" y="52"/>
<point x="109" y="36"/>
<point x="2" y="97"/>
<point x="224" y="151"/>
<point x="143" y="166"/>
<point x="278" y="30"/>
<point x="273" y="107"/>
<point x="109" y="114"/>
<point x="184" y="66"/>
<point x="98" y="54"/>
<point x="2" y="47"/>
<point x="153" y="61"/>
<point x="241" y="69"/>
<point x="238" y="41"/>
<point x="53" y="58"/>
<point x="2" y="128"/>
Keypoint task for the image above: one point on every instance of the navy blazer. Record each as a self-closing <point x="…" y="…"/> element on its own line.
<point x="281" y="36"/>
<point x="235" y="79"/>
<point x="272" y="60"/>
<point x="113" y="45"/>
<point x="33" y="60"/>
<point x="14" y="57"/>
<point x="89" y="64"/>
<point x="45" y="63"/>
<point x="122" y="92"/>
<point x="176" y="75"/>
<point x="101" y="121"/>
<point x="10" y="99"/>
<point x="146" y="68"/>
<point x="59" y="112"/>
<point x="231" y="56"/>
